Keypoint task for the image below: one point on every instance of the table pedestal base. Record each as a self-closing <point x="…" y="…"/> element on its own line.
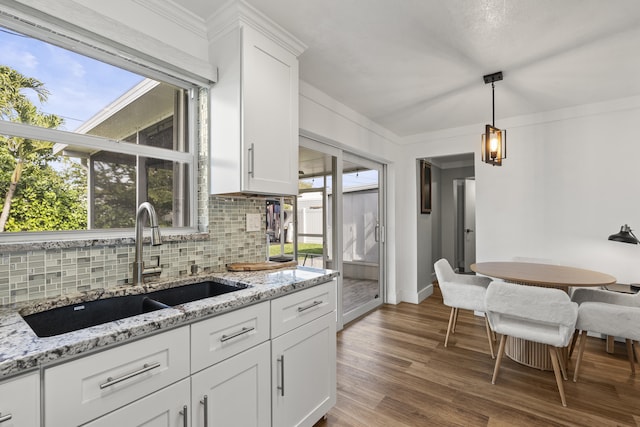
<point x="528" y="353"/>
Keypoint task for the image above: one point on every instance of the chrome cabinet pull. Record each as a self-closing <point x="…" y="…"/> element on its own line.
<point x="313" y="304"/>
<point x="281" y="387"/>
<point x="145" y="368"/>
<point x="4" y="418"/>
<point x="242" y="331"/>
<point x="205" y="402"/>
<point x="251" y="160"/>
<point x="185" y="421"/>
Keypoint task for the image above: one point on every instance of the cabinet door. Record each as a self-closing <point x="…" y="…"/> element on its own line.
<point x="236" y="390"/>
<point x="20" y="401"/>
<point x="164" y="408"/>
<point x="303" y="366"/>
<point x="270" y="114"/>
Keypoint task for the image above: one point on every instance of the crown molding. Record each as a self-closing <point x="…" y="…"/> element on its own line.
<point x="236" y="13"/>
<point x="176" y="14"/>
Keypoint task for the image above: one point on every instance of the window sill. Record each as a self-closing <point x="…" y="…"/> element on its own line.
<point x="87" y="239"/>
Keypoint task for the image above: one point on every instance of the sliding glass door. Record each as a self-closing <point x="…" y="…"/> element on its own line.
<point x="339" y="220"/>
<point x="362" y="234"/>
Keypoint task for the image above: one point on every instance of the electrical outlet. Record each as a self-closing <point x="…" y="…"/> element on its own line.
<point x="253" y="222"/>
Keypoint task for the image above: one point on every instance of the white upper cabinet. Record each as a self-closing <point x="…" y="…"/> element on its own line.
<point x="254" y="112"/>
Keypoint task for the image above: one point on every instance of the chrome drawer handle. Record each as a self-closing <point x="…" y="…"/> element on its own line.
<point x="313" y="304"/>
<point x="242" y="331"/>
<point x="4" y="418"/>
<point x="145" y="368"/>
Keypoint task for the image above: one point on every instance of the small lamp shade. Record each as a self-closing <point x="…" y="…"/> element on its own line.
<point x="625" y="235"/>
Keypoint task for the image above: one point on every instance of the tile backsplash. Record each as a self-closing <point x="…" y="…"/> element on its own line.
<point x="42" y="273"/>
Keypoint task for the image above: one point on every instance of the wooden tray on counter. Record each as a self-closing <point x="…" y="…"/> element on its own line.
<point x="257" y="266"/>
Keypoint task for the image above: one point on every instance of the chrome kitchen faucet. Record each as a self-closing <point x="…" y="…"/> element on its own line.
<point x="138" y="265"/>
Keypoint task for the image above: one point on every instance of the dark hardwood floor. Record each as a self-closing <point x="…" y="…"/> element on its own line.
<point x="393" y="370"/>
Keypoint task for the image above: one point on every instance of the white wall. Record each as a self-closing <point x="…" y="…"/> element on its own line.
<point x="566" y="185"/>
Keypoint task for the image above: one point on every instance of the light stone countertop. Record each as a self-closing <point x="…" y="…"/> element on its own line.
<point x="21" y="350"/>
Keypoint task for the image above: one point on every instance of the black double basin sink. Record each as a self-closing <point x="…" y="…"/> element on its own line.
<point x="83" y="315"/>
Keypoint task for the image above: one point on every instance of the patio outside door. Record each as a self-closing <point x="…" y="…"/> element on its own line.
<point x="362" y="236"/>
<point x="339" y="223"/>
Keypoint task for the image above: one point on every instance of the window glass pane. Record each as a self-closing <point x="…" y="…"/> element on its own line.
<point x="167" y="191"/>
<point x="46" y="191"/>
<point x="114" y="190"/>
<point x="73" y="92"/>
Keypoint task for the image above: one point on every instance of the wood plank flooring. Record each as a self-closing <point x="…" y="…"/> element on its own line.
<point x="393" y="370"/>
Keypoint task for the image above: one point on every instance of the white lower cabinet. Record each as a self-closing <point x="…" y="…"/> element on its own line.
<point x="234" y="392"/>
<point x="303" y="370"/>
<point x="20" y="401"/>
<point x="303" y="355"/>
<point x="168" y="407"/>
<point x="268" y="364"/>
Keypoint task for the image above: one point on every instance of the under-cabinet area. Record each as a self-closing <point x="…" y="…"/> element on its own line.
<point x="266" y="363"/>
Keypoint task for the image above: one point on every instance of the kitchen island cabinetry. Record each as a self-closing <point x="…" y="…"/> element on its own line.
<point x="20" y="401"/>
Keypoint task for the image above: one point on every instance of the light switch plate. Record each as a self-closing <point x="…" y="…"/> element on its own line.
<point x="253" y="222"/>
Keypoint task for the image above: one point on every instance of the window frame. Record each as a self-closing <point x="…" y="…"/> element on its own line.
<point x="82" y="42"/>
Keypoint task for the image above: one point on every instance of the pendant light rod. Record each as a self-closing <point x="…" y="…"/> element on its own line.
<point x="492" y="78"/>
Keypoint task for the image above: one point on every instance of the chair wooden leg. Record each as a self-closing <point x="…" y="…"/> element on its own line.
<point x="451" y="316"/>
<point x="455" y="321"/>
<point x="573" y="343"/>
<point x="583" y="342"/>
<point x="503" y="340"/>
<point x="553" y="353"/>
<point x="489" y="336"/>
<point x="561" y="362"/>
<point x="635" y="351"/>
<point x="630" y="354"/>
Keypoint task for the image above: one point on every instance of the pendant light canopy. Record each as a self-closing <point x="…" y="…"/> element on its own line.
<point x="494" y="140"/>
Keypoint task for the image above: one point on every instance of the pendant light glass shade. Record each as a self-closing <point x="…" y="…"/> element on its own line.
<point x="494" y="145"/>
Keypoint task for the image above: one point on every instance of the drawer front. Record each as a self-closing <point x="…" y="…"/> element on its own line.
<point x="167" y="408"/>
<point x="83" y="389"/>
<point x="291" y="311"/>
<point x="20" y="401"/>
<point x="228" y="334"/>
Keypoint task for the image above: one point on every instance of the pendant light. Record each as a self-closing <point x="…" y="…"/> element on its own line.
<point x="494" y="140"/>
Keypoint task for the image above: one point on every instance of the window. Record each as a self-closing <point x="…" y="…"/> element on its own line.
<point x="83" y="142"/>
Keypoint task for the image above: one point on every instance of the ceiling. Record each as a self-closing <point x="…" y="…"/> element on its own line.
<point x="415" y="66"/>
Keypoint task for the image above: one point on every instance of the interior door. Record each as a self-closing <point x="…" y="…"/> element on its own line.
<point x="469" y="223"/>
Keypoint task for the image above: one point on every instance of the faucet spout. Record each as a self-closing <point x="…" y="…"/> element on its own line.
<point x="145" y="209"/>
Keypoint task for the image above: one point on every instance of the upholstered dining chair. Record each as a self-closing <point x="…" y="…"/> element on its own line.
<point x="539" y="314"/>
<point x="608" y="313"/>
<point x="462" y="291"/>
